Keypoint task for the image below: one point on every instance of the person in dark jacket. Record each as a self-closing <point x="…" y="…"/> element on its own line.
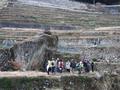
<point x="73" y="66"/>
<point x="92" y="66"/>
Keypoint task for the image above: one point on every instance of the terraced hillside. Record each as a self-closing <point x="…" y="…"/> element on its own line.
<point x="23" y="15"/>
<point x="16" y="35"/>
<point x="79" y="30"/>
<point x="101" y="43"/>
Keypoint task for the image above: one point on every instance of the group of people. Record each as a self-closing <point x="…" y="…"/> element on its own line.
<point x="54" y="66"/>
<point x="58" y="65"/>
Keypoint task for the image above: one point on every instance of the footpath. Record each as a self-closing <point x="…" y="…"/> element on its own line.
<point x="44" y="74"/>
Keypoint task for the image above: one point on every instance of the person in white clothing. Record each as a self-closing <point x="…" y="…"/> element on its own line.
<point x="67" y="66"/>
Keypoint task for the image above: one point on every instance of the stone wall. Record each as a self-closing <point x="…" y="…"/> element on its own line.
<point x="102" y="43"/>
<point x="106" y="67"/>
<point x="63" y="83"/>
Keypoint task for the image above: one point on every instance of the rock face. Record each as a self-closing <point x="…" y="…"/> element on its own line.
<point x="30" y="54"/>
<point x="3" y="3"/>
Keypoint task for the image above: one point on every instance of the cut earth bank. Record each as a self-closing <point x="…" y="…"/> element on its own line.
<point x="41" y="81"/>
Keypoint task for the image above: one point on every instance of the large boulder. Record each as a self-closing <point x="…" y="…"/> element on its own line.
<point x="31" y="54"/>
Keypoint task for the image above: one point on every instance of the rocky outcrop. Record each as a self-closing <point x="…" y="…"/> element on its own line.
<point x="31" y="54"/>
<point x="3" y="3"/>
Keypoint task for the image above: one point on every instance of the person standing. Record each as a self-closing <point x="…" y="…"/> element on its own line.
<point x="49" y="66"/>
<point x="67" y="66"/>
<point x="56" y="65"/>
<point x="61" y="65"/>
<point x="53" y="66"/>
<point x="85" y="65"/>
<point x="79" y="67"/>
<point x="73" y="65"/>
<point x="92" y="66"/>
